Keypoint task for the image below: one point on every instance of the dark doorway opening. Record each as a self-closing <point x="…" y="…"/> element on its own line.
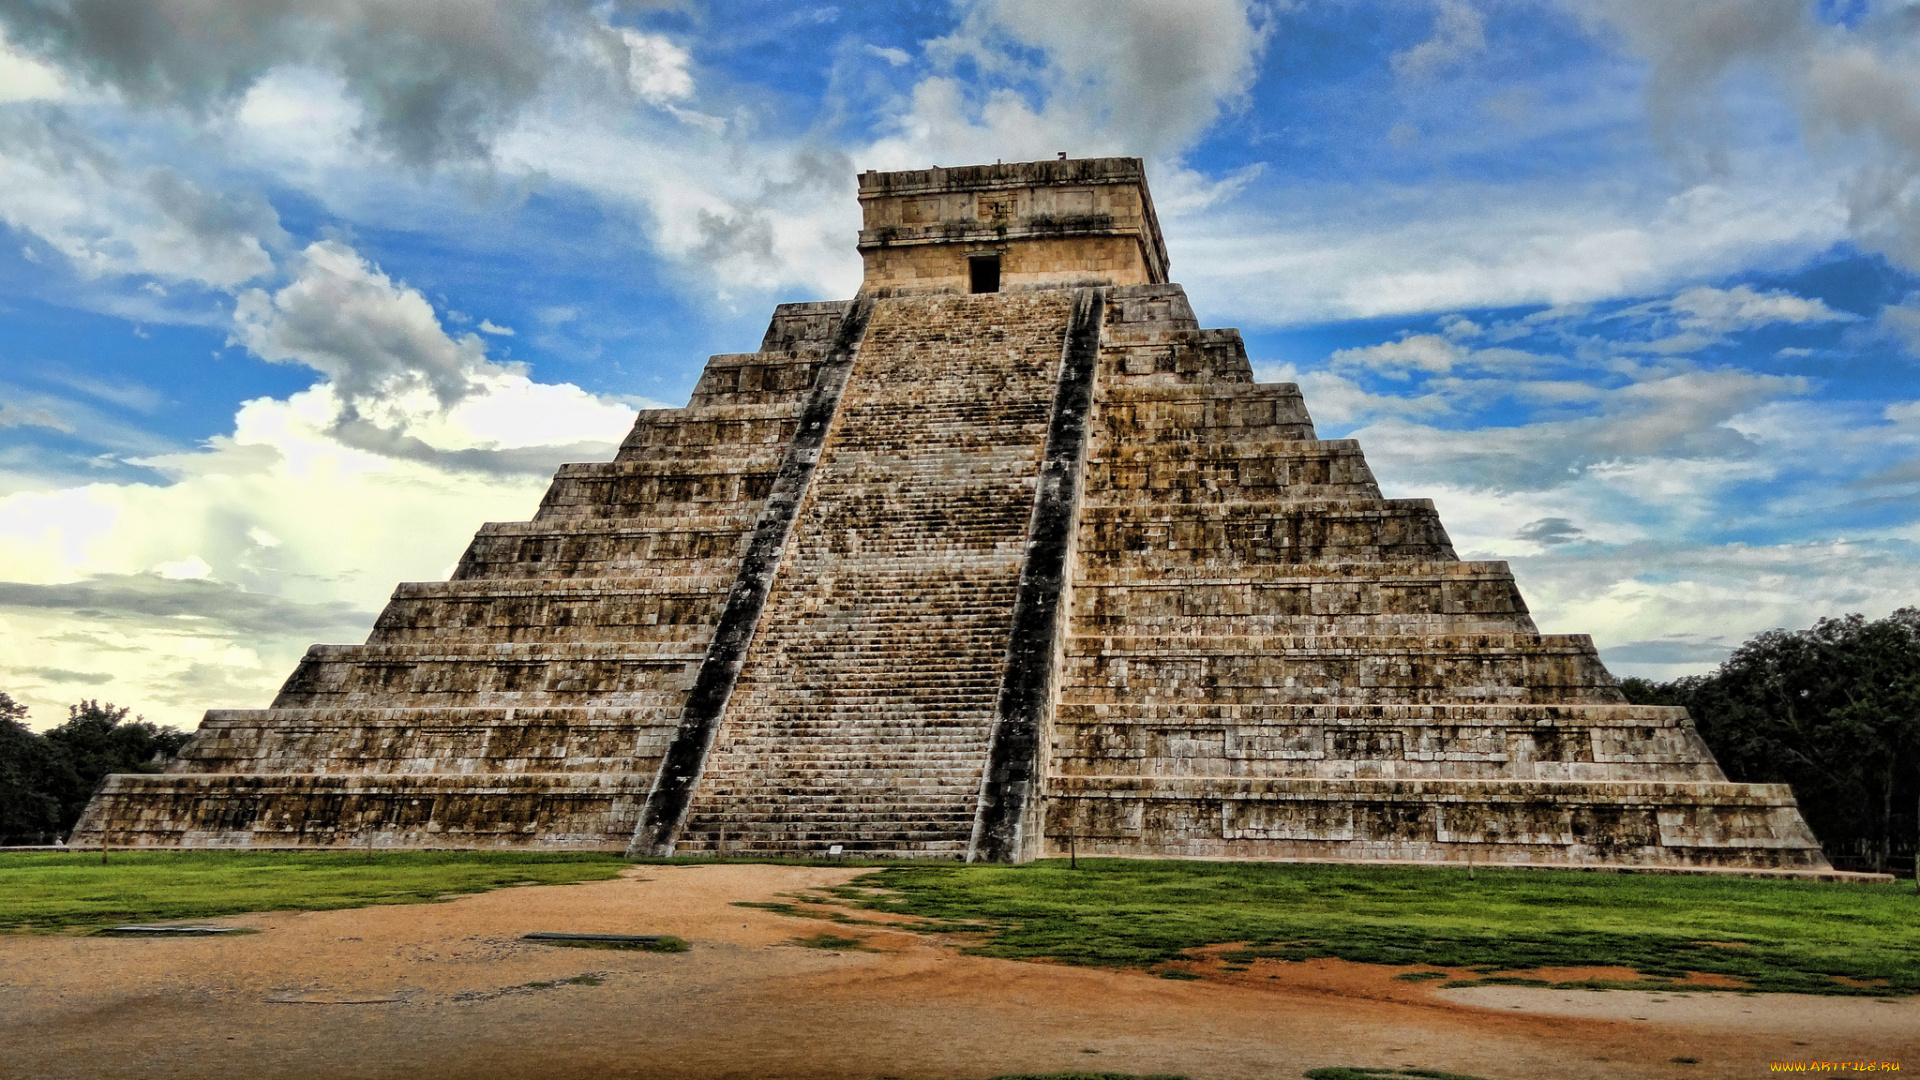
<point x="984" y="272"/>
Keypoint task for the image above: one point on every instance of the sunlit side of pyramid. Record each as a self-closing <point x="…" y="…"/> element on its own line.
<point x="1004" y="555"/>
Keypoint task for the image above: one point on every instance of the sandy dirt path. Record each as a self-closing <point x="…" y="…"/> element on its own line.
<point x="447" y="990"/>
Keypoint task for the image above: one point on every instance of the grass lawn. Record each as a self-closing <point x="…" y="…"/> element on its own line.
<point x="1787" y="936"/>
<point x="51" y="892"/>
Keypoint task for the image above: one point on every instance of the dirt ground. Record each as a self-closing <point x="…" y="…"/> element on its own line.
<point x="449" y="990"/>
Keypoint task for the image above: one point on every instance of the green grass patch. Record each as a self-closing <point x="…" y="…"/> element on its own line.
<point x="834" y="942"/>
<point x="47" y="892"/>
<point x="1771" y="935"/>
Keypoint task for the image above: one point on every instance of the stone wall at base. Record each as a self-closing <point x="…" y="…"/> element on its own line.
<point x="541" y="811"/>
<point x="1564" y="823"/>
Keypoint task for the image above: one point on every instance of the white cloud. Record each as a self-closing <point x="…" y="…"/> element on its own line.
<point x="1856" y="88"/>
<point x="1459" y="34"/>
<point x="343" y="317"/>
<point x="26" y="78"/>
<point x="12" y="415"/>
<point x="1661" y="610"/>
<point x="1116" y="76"/>
<point x="1742" y="308"/>
<point x="1901" y="322"/>
<point x="283" y="517"/>
<point x="487" y="327"/>
<point x="1288" y="257"/>
<point x="433" y="79"/>
<point x="191" y="568"/>
<point x="657" y="68"/>
<point x="1399" y="359"/>
<point x="107" y="218"/>
<point x="895" y="57"/>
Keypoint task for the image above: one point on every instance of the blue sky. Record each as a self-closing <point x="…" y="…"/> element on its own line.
<point x="293" y="297"/>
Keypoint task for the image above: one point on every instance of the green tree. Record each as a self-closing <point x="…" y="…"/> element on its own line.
<point x="29" y="813"/>
<point x="98" y="740"/>
<point x="1833" y="711"/>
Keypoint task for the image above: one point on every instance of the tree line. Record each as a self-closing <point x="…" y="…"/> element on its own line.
<point x="1833" y="711"/>
<point x="47" y="777"/>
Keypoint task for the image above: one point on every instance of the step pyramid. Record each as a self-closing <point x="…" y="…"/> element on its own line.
<point x="1005" y="557"/>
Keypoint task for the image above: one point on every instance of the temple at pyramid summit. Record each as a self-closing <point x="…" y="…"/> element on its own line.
<point x="1003" y="556"/>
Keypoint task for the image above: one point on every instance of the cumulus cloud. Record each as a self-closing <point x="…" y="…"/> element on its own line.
<point x="1399" y="359"/>
<point x="371" y="337"/>
<point x="1722" y="311"/>
<point x="62" y="185"/>
<point x="657" y="69"/>
<point x="435" y="79"/>
<point x="1114" y="76"/>
<point x="1680" y="417"/>
<point x="201" y="590"/>
<point x="1857" y="89"/>
<point x="24" y="78"/>
<point x="1901" y="322"/>
<point x="1459" y="34"/>
<point x="1661" y="609"/>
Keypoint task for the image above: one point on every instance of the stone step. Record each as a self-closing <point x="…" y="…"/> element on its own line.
<point x="1225" y="411"/>
<point x="581" y="673"/>
<point x="527" y="549"/>
<point x="718" y="425"/>
<point x="429" y="741"/>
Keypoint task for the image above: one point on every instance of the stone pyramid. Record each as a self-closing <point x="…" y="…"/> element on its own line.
<point x="1003" y="556"/>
